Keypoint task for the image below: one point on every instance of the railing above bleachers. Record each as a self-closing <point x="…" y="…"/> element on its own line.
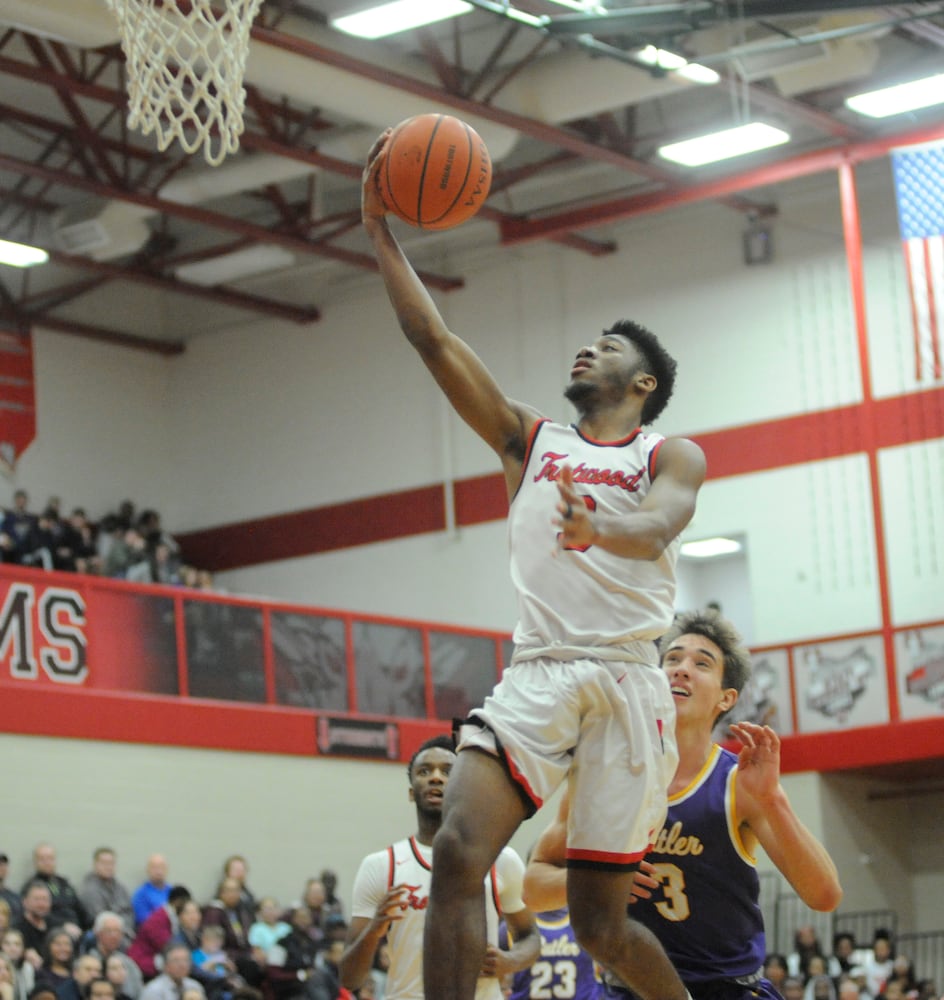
<point x="89" y="657"/>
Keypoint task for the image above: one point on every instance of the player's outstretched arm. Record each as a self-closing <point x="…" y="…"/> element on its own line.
<point x="365" y="934"/>
<point x="475" y="395"/>
<point x="763" y="805"/>
<point x="644" y="534"/>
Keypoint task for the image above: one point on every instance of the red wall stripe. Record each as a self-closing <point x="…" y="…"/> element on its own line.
<point x="734" y="451"/>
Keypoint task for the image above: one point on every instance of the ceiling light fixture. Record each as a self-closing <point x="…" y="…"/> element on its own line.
<point x="902" y="97"/>
<point x="228" y="267"/>
<point x="723" y="145"/>
<point x="708" y="548"/>
<point x="671" y="62"/>
<point x="400" y="15"/>
<point x="21" y="255"/>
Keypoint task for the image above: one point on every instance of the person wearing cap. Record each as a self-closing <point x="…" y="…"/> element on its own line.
<point x="12" y="898"/>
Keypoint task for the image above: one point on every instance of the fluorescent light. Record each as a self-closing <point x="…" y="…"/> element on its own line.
<point x="723" y="145"/>
<point x="21" y="255"/>
<point x="238" y="264"/>
<point x="707" y="548"/>
<point x="400" y="15"/>
<point x="671" y="62"/>
<point x="901" y="98"/>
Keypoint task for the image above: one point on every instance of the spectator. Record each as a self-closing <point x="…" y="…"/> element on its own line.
<point x="174" y="980"/>
<point x="903" y="972"/>
<point x="237" y="867"/>
<point x="16" y="528"/>
<point x="265" y="933"/>
<point x="127" y="557"/>
<point x="313" y="897"/>
<point x="878" y="962"/>
<point x="228" y="912"/>
<point x="7" y="978"/>
<point x="324" y="983"/>
<point x="857" y="975"/>
<point x="25" y="975"/>
<point x="805" y="945"/>
<point x="846" y="988"/>
<point x="793" y="988"/>
<point x="42" y="542"/>
<point x="153" y="892"/>
<point x="820" y="987"/>
<point x="332" y="904"/>
<point x="843" y="956"/>
<point x="292" y="960"/>
<point x="156" y="933"/>
<point x="6" y="893"/>
<point x="211" y="966"/>
<point x="84" y="969"/>
<point x="36" y="922"/>
<point x="78" y="551"/>
<point x="775" y="970"/>
<point x="116" y="972"/>
<point x="101" y="989"/>
<point x="6" y="917"/>
<point x="58" y="952"/>
<point x="109" y="936"/>
<point x="101" y="891"/>
<point x="66" y="908"/>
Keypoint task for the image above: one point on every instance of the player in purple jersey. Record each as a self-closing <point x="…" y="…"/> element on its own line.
<point x="698" y="888"/>
<point x="564" y="970"/>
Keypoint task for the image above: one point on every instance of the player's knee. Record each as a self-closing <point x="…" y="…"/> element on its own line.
<point x="592" y="932"/>
<point x="459" y="862"/>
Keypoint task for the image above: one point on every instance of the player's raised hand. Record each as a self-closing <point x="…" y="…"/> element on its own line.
<point x="759" y="759"/>
<point x="372" y="205"/>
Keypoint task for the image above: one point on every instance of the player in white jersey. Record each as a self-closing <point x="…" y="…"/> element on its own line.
<point x="391" y="893"/>
<point x="596" y="511"/>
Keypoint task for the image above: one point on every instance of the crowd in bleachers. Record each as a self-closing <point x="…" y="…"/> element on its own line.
<point x="102" y="941"/>
<point x="98" y="940"/>
<point x="849" y="972"/>
<point x="124" y="544"/>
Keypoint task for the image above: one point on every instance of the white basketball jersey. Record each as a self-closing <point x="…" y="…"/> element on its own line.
<point x="588" y="598"/>
<point x="409" y="863"/>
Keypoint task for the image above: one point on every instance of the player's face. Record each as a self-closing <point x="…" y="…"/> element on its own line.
<point x="431" y="771"/>
<point x="695" y="668"/>
<point x="605" y="366"/>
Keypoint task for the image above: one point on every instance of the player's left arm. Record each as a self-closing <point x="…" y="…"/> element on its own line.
<point x="524" y="938"/>
<point x="647" y="532"/>
<point x="524" y="946"/>
<point x="762" y="805"/>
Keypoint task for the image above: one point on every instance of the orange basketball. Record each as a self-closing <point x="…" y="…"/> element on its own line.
<point x="435" y="172"/>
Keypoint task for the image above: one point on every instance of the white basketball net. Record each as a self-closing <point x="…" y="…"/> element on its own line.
<point x="185" y="62"/>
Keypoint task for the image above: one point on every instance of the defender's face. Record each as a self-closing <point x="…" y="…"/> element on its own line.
<point x="431" y="771"/>
<point x="695" y="668"/>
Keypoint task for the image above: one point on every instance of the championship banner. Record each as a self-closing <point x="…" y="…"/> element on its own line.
<point x="17" y="400"/>
<point x="919" y="190"/>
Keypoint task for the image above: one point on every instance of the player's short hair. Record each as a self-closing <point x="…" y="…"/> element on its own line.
<point x="737" y="658"/>
<point x="656" y="360"/>
<point x="442" y="742"/>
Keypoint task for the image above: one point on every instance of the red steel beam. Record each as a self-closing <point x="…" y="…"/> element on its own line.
<point x="149" y="344"/>
<point x="515" y="231"/>
<point x="225" y="296"/>
<point x="205" y="217"/>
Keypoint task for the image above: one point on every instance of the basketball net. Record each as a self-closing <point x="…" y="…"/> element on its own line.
<point x="185" y="63"/>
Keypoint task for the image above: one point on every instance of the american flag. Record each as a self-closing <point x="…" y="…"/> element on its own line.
<point x="919" y="187"/>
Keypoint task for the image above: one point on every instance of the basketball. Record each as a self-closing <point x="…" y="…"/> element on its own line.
<point x="435" y="172"/>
